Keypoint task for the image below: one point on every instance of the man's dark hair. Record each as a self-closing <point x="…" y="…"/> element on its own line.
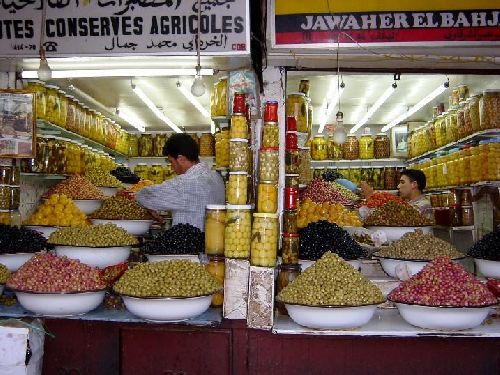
<point x="181" y="144"/>
<point x="416" y="175"/>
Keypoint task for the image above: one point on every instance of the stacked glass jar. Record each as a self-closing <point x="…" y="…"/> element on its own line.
<point x="10" y="191"/>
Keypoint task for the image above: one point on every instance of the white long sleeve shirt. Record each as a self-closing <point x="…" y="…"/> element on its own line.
<point x="186" y="195"/>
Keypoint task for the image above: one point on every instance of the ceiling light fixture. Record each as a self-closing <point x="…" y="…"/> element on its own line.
<point x="131" y="118"/>
<point x="374" y="108"/>
<point x="198" y="88"/>
<point x="434" y="94"/>
<point x="196" y="104"/>
<point x="43" y="73"/>
<point x="329" y="107"/>
<point x="90" y="73"/>
<point x="154" y="109"/>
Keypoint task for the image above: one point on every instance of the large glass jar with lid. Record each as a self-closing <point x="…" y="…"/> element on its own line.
<point x="287" y="273"/>
<point x="268" y="164"/>
<point x="106" y="132"/>
<point x="334" y="149"/>
<point x="159" y="140"/>
<point x="222" y="148"/>
<point x="72" y="157"/>
<point x="237" y="188"/>
<point x="141" y="170"/>
<point x="94" y="125"/>
<point x="489" y="109"/>
<point x="42" y="155"/>
<point x="71" y="113"/>
<point x="79" y="117"/>
<point x="319" y="148"/>
<point x="382" y="146"/>
<point x="461" y="128"/>
<point x="146" y="145"/>
<point x="215" y="226"/>
<point x="350" y="149"/>
<point x="366" y="147"/>
<point x="40" y="91"/>
<point x="63" y="102"/>
<point x="267" y="197"/>
<point x="472" y="114"/>
<point x="238" y="233"/>
<point x="133" y="145"/>
<point x="305" y="171"/>
<point x="270" y="134"/>
<point x="207" y="145"/>
<point x="296" y="105"/>
<point x="451" y="126"/>
<point x="216" y="267"/>
<point x="155" y="173"/>
<point x="53" y="108"/>
<point x="238" y="154"/>
<point x="264" y="246"/>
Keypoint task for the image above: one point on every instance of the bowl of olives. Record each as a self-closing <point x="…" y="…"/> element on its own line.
<point x="167" y="309"/>
<point x="134" y="227"/>
<point x="108" y="191"/>
<point x="87" y="206"/>
<point x="60" y="304"/>
<point x="45" y="230"/>
<point x="488" y="268"/>
<point x="402" y="269"/>
<point x="14" y="261"/>
<point x="160" y="258"/>
<point x="395" y="233"/>
<point x="100" y="257"/>
<point x="331" y="317"/>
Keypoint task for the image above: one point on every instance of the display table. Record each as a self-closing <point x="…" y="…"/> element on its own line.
<point x="115" y="342"/>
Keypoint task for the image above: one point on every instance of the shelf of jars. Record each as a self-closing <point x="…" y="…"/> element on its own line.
<point x="46" y="127"/>
<point x="387" y="162"/>
<point x="465" y="186"/>
<point x="221" y="119"/>
<point x="476" y="137"/>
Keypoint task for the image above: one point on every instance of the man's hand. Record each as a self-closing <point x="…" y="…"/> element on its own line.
<point x="156" y="216"/>
<point x="366" y="190"/>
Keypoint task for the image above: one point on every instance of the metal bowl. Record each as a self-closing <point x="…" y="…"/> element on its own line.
<point x="60" y="304"/>
<point x="330" y="317"/>
<point x="167" y="309"/>
<point x="443" y="317"/>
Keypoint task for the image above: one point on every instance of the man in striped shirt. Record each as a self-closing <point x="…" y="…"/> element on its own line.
<point x="187" y="194"/>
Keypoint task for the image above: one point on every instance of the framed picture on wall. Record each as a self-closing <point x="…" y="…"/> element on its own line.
<point x="399" y="141"/>
<point x="17" y="124"/>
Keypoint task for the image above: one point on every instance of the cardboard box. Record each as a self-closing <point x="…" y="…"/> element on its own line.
<point x="261" y="298"/>
<point x="236" y="288"/>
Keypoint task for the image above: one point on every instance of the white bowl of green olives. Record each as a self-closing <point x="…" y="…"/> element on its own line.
<point x="488" y="268"/>
<point x="134" y="227"/>
<point x="87" y="206"/>
<point x="167" y="309"/>
<point x="14" y="261"/>
<point x="331" y="317"/>
<point x="108" y="191"/>
<point x="401" y="269"/>
<point x="305" y="264"/>
<point x="60" y="304"/>
<point x="160" y="258"/>
<point x="100" y="257"/>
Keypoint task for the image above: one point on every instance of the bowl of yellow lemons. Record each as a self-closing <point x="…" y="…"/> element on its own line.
<point x="57" y="210"/>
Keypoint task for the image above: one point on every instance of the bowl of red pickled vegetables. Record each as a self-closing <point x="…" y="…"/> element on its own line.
<point x="52" y="285"/>
<point x="443" y="296"/>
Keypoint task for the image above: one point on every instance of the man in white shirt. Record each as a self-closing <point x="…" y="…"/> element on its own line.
<point x="187" y="194"/>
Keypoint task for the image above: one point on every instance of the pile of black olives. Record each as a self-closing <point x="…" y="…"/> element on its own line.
<point x="125" y="175"/>
<point x="319" y="237"/>
<point x="20" y="240"/>
<point x="331" y="175"/>
<point x="487" y="247"/>
<point x="179" y="240"/>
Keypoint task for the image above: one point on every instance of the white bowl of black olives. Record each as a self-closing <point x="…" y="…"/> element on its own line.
<point x="167" y="309"/>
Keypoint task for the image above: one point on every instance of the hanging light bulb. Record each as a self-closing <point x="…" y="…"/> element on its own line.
<point x="339" y="134"/>
<point x="44" y="72"/>
<point x="198" y="87"/>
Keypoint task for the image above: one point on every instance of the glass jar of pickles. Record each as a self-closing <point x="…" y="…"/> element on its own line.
<point x="215" y="226"/>
<point x="489" y="109"/>
<point x="287" y="273"/>
<point x="366" y="147"/>
<point x="141" y="170"/>
<point x="146" y="145"/>
<point x="270" y="134"/>
<point x="239" y="127"/>
<point x="296" y="105"/>
<point x="217" y="268"/>
<point x="471" y="114"/>
<point x="133" y="145"/>
<point x="355" y="175"/>
<point x="334" y="149"/>
<point x="264" y="246"/>
<point x="350" y="149"/>
<point x="292" y="161"/>
<point x="237" y="235"/>
<point x="451" y="126"/>
<point x="268" y="164"/>
<point x="267" y="197"/>
<point x="238" y="155"/>
<point x="237" y="188"/>
<point x="290" y="221"/>
<point x="71" y="114"/>
<point x="290" y="248"/>
<point x="155" y="173"/>
<point x="461" y="129"/>
<point x="440" y="130"/>
<point x="53" y="108"/>
<point x="222" y="148"/>
<point x="40" y="91"/>
<point x="319" y="148"/>
<point x="390" y="178"/>
<point x="382" y="146"/>
<point x="305" y="172"/>
<point x="159" y="140"/>
<point x="63" y="111"/>
<point x="207" y="145"/>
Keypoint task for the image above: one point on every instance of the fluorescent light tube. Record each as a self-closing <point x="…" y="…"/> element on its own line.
<point x="438" y="91"/>
<point x="131" y="118"/>
<point x="89" y="73"/>
<point x="154" y="109"/>
<point x="329" y="109"/>
<point x="190" y="97"/>
<point x="387" y="93"/>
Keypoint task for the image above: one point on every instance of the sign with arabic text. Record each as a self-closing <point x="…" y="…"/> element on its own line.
<point x="317" y="23"/>
<point x="123" y="27"/>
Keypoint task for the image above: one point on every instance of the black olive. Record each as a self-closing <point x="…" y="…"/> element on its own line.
<point x="487" y="247"/>
<point x="180" y="239"/>
<point x="21" y="240"/>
